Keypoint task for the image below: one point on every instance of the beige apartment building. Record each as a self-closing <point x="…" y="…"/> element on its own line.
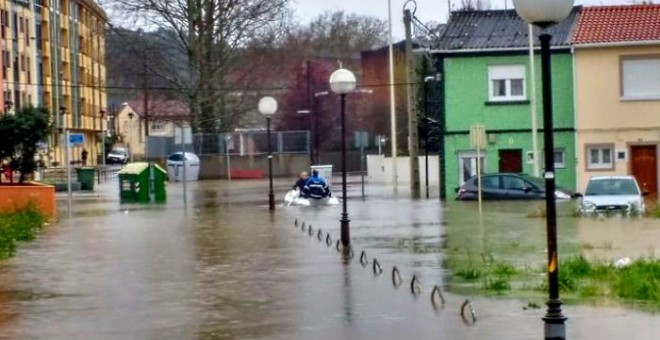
<point x="617" y="84"/>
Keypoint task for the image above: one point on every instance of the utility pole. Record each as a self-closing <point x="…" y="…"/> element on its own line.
<point x="311" y="110"/>
<point x="393" y="141"/>
<point x="413" y="137"/>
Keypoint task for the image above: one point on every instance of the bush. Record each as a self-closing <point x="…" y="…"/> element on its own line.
<point x="20" y="225"/>
<point x="639" y="281"/>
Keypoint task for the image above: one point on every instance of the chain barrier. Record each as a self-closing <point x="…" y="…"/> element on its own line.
<point x="377" y="268"/>
<point x="415" y="286"/>
<point x="467" y="303"/>
<point x="397" y="280"/>
<point x="437" y="298"/>
<point x="437" y="292"/>
<point x="363" y="259"/>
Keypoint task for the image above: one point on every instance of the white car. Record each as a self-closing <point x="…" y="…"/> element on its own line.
<point x="612" y="193"/>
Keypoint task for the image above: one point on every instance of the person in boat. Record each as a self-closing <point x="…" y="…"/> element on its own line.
<point x="300" y="183"/>
<point x="316" y="187"/>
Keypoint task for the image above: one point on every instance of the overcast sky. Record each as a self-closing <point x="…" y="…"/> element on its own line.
<point x="427" y="10"/>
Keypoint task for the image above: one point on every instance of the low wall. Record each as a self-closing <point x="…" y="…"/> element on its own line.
<point x="215" y="166"/>
<point x="15" y="196"/>
<point x="284" y="165"/>
<point x="380" y="169"/>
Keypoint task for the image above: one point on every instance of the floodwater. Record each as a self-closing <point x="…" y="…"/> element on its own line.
<point x="223" y="267"/>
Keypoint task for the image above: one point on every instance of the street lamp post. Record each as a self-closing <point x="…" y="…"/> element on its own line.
<point x="309" y="138"/>
<point x="103" y="133"/>
<point x="343" y="82"/>
<point x="426" y="133"/>
<point x="316" y="112"/>
<point x="268" y="107"/>
<point x="130" y="135"/>
<point x="544" y="14"/>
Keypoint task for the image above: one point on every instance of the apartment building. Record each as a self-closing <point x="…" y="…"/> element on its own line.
<point x="53" y="55"/>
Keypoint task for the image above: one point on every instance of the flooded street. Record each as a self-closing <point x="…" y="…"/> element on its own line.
<point x="224" y="267"/>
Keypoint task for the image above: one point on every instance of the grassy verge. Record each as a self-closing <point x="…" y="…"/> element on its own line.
<point x="503" y="253"/>
<point x="17" y="226"/>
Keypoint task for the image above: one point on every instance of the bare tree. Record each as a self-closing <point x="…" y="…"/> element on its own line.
<point x="337" y="34"/>
<point x="202" y="44"/>
<point x="474" y="5"/>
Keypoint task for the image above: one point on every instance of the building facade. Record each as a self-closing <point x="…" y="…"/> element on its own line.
<point x="617" y="82"/>
<point x="53" y="55"/>
<point x="483" y="57"/>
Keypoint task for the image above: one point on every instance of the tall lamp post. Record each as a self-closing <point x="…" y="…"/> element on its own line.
<point x="343" y="82"/>
<point x="268" y="107"/>
<point x="544" y="14"/>
<point x="103" y="135"/>
<point x="316" y="110"/>
<point x="426" y="133"/>
<point x="130" y="136"/>
<point x="309" y="137"/>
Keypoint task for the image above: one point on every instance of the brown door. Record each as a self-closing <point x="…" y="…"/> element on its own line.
<point x="511" y="161"/>
<point x="645" y="168"/>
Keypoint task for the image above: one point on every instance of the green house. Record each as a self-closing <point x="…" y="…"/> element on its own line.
<point x="484" y="59"/>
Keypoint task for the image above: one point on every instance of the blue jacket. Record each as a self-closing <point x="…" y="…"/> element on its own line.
<point x="316" y="187"/>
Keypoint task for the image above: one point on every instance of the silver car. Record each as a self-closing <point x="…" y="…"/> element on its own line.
<point x="612" y="193"/>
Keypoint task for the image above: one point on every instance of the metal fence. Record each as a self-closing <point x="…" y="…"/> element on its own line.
<point x="252" y="143"/>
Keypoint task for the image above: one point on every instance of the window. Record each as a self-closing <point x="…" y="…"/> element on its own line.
<point x="560" y="159"/>
<point x="467" y="165"/>
<point x="157" y="126"/>
<point x="515" y="183"/>
<point x="490" y="182"/>
<point x="506" y="82"/>
<point x="599" y="157"/>
<point x="640" y="78"/>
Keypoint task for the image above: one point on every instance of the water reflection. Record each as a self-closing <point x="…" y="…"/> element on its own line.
<point x="225" y="267"/>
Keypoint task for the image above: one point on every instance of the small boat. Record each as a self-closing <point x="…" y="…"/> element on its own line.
<point x="293" y="198"/>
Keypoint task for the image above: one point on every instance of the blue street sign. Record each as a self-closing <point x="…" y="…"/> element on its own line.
<point x="76" y="139"/>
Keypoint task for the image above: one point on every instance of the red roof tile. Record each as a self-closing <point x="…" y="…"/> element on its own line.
<point x="627" y="23"/>
<point x="162" y="108"/>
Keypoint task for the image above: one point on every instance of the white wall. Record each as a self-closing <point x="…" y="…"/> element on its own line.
<point x="379" y="169"/>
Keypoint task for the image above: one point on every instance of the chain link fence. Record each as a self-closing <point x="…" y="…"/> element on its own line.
<point x="252" y="143"/>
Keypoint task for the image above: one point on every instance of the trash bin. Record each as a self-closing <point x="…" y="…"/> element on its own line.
<point x="86" y="177"/>
<point x="159" y="177"/>
<point x="175" y="167"/>
<point x="134" y="183"/>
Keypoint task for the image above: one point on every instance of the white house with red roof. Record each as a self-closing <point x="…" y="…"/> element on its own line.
<point x="617" y="93"/>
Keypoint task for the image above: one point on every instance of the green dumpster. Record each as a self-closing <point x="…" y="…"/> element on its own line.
<point x="159" y="177"/>
<point x="134" y="183"/>
<point x="86" y="177"/>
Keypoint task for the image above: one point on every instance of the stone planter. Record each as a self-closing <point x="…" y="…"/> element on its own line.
<point x="16" y="196"/>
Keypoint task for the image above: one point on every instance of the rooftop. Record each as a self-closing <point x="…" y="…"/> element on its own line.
<point x="627" y="23"/>
<point x="498" y="30"/>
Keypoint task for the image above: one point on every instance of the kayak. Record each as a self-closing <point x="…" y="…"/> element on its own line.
<point x="293" y="198"/>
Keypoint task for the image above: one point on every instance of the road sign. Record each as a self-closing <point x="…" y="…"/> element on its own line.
<point x="76" y="139"/>
<point x="361" y="139"/>
<point x="186" y="131"/>
<point x="478" y="136"/>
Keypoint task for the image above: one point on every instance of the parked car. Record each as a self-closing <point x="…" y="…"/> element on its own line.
<point x="508" y="186"/>
<point x="612" y="193"/>
<point x="118" y="155"/>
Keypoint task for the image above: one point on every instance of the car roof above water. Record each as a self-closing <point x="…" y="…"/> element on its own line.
<point x="603" y="178"/>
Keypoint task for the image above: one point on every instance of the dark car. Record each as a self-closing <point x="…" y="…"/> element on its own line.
<point x="508" y="186"/>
